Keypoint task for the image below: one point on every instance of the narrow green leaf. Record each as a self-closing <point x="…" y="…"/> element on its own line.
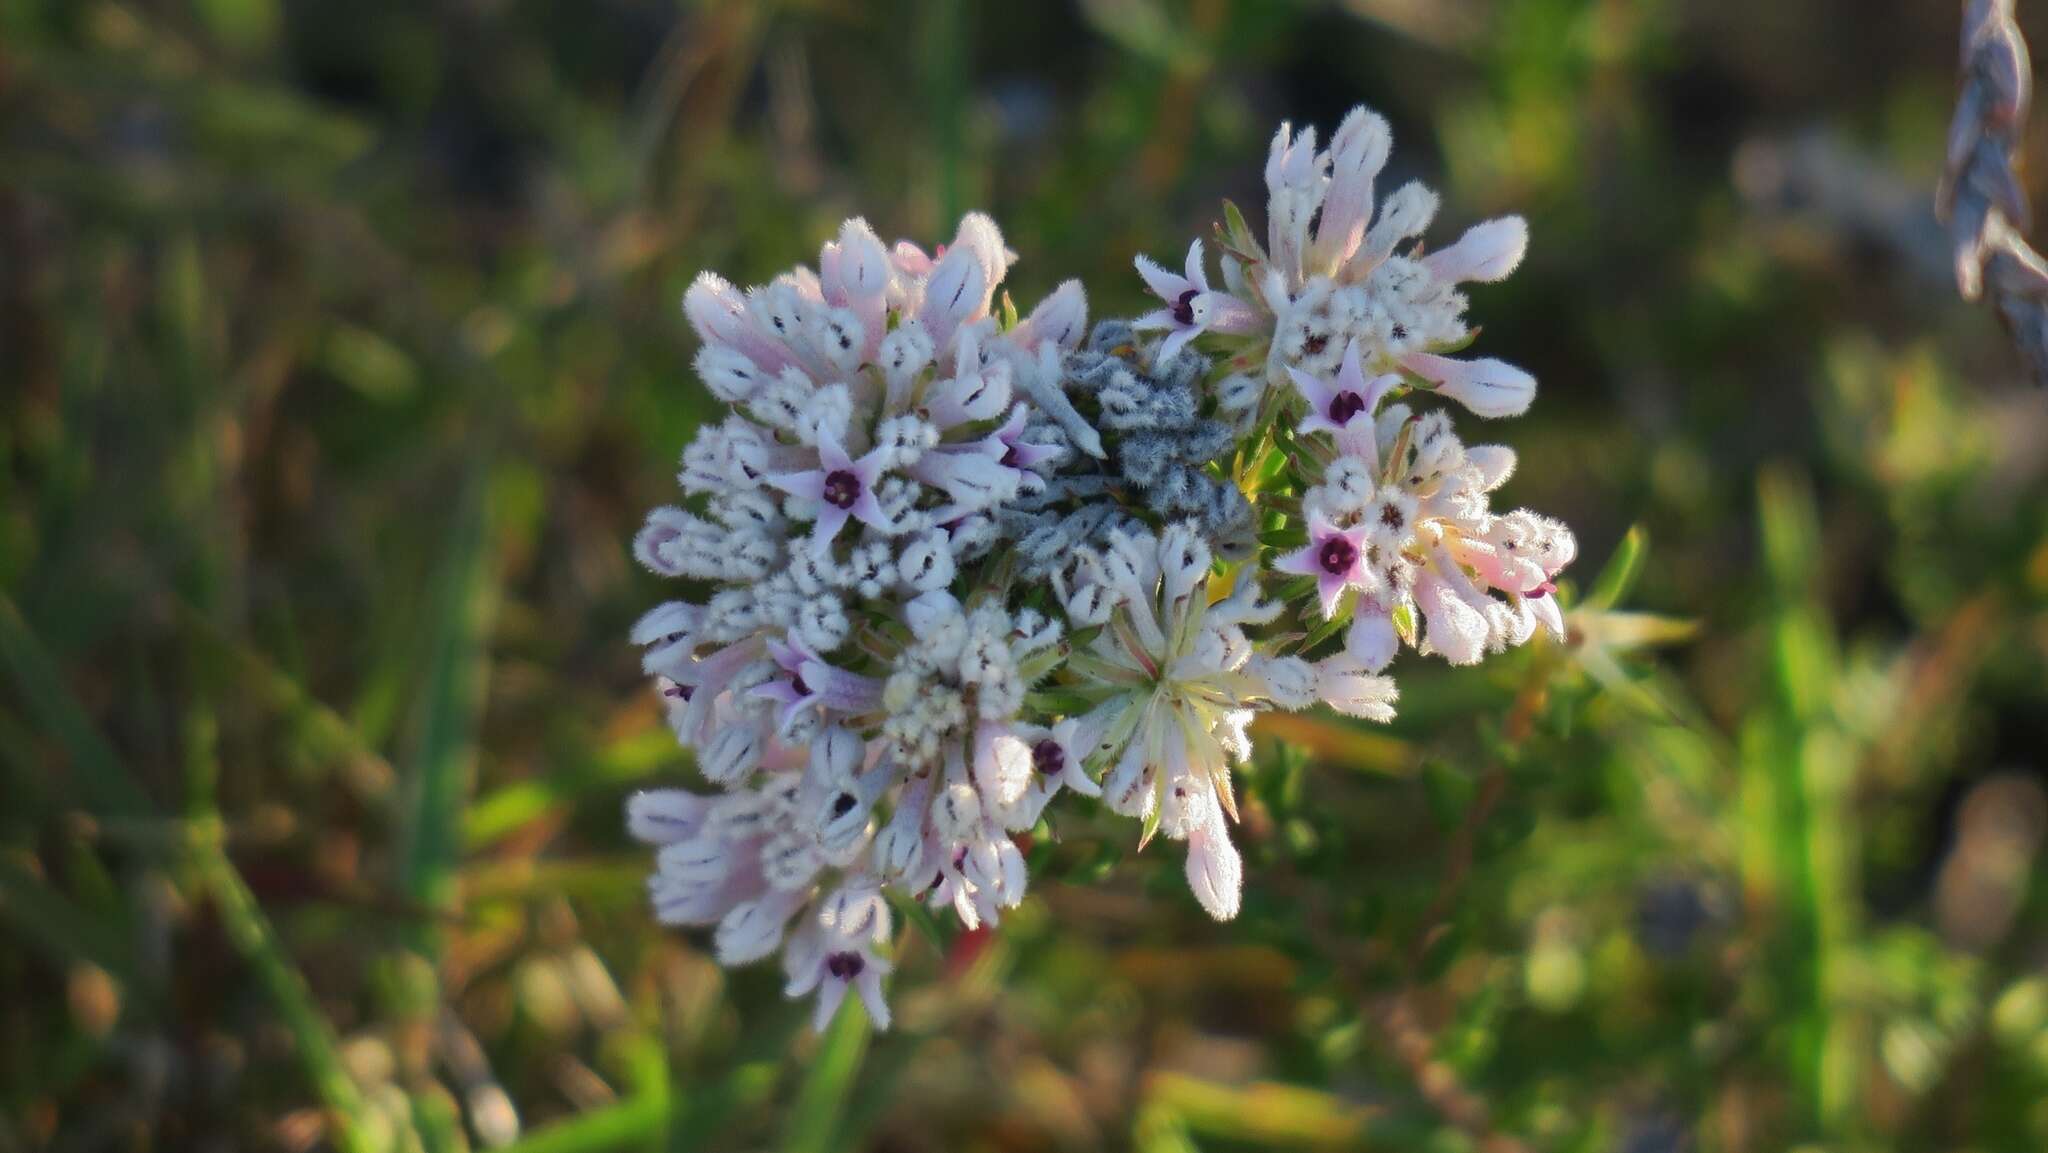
<point x="637" y="1123"/>
<point x="821" y="1100"/>
<point x="441" y="773"/>
<point x="1619" y="576"/>
<point x="251" y="933"/>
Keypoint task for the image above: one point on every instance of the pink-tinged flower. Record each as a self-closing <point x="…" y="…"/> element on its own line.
<point x="957" y="288"/>
<point x="718" y="311"/>
<point x="1008" y="446"/>
<point x="843" y="488"/>
<point x="1295" y="183"/>
<point x="1344" y="406"/>
<point x="1192" y="308"/>
<point x="855" y="273"/>
<point x="1490" y="388"/>
<point x="1335" y="557"/>
<point x="808" y="682"/>
<point x="1358" y="151"/>
<point x="692" y="685"/>
<point x="666" y="816"/>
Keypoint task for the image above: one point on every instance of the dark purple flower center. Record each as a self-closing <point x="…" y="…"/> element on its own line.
<point x="677" y="692"/>
<point x="796" y="681"/>
<point x="1010" y="457"/>
<point x="842" y="488"/>
<point x="1391" y="515"/>
<point x="845" y="966"/>
<point x="1337" y="555"/>
<point x="1048" y="757"/>
<point x="843" y="804"/>
<point x="1184" y="308"/>
<point x="1344" y="406"/>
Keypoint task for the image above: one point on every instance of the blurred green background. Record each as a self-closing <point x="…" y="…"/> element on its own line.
<point x="342" y="356"/>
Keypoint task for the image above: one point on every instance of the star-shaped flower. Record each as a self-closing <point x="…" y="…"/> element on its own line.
<point x="1192" y="308"/>
<point x="843" y="487"/>
<point x="1335" y="557"/>
<point x="1344" y="406"/>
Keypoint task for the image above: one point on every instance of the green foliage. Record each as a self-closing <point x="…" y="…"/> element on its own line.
<point x="343" y="358"/>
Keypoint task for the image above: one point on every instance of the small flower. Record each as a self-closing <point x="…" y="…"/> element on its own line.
<point x="1192" y="308"/>
<point x="841" y="487"/>
<point x="1335" y="557"/>
<point x="839" y="949"/>
<point x="808" y="683"/>
<point x="1344" y="406"/>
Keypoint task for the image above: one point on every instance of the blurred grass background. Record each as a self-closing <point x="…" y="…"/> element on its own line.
<point x="342" y="357"/>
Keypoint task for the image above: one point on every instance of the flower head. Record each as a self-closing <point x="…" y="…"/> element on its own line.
<point x="955" y="565"/>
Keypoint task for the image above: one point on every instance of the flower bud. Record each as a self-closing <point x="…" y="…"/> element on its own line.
<point x="1347" y="688"/>
<point x="1289" y="681"/>
<point x="1215" y="871"/>
<point x="753" y="929"/>
<point x="1059" y="319"/>
<point x="837" y="756"/>
<point x="665" y="816"/>
<point x="1487" y="252"/>
<point x="1489" y="388"/>
<point x="957" y="813"/>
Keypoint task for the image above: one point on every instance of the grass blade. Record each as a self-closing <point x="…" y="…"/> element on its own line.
<point x="444" y="762"/>
<point x="256" y="940"/>
<point x="821" y="1100"/>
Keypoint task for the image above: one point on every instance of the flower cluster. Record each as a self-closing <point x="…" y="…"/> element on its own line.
<point x="950" y="562"/>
